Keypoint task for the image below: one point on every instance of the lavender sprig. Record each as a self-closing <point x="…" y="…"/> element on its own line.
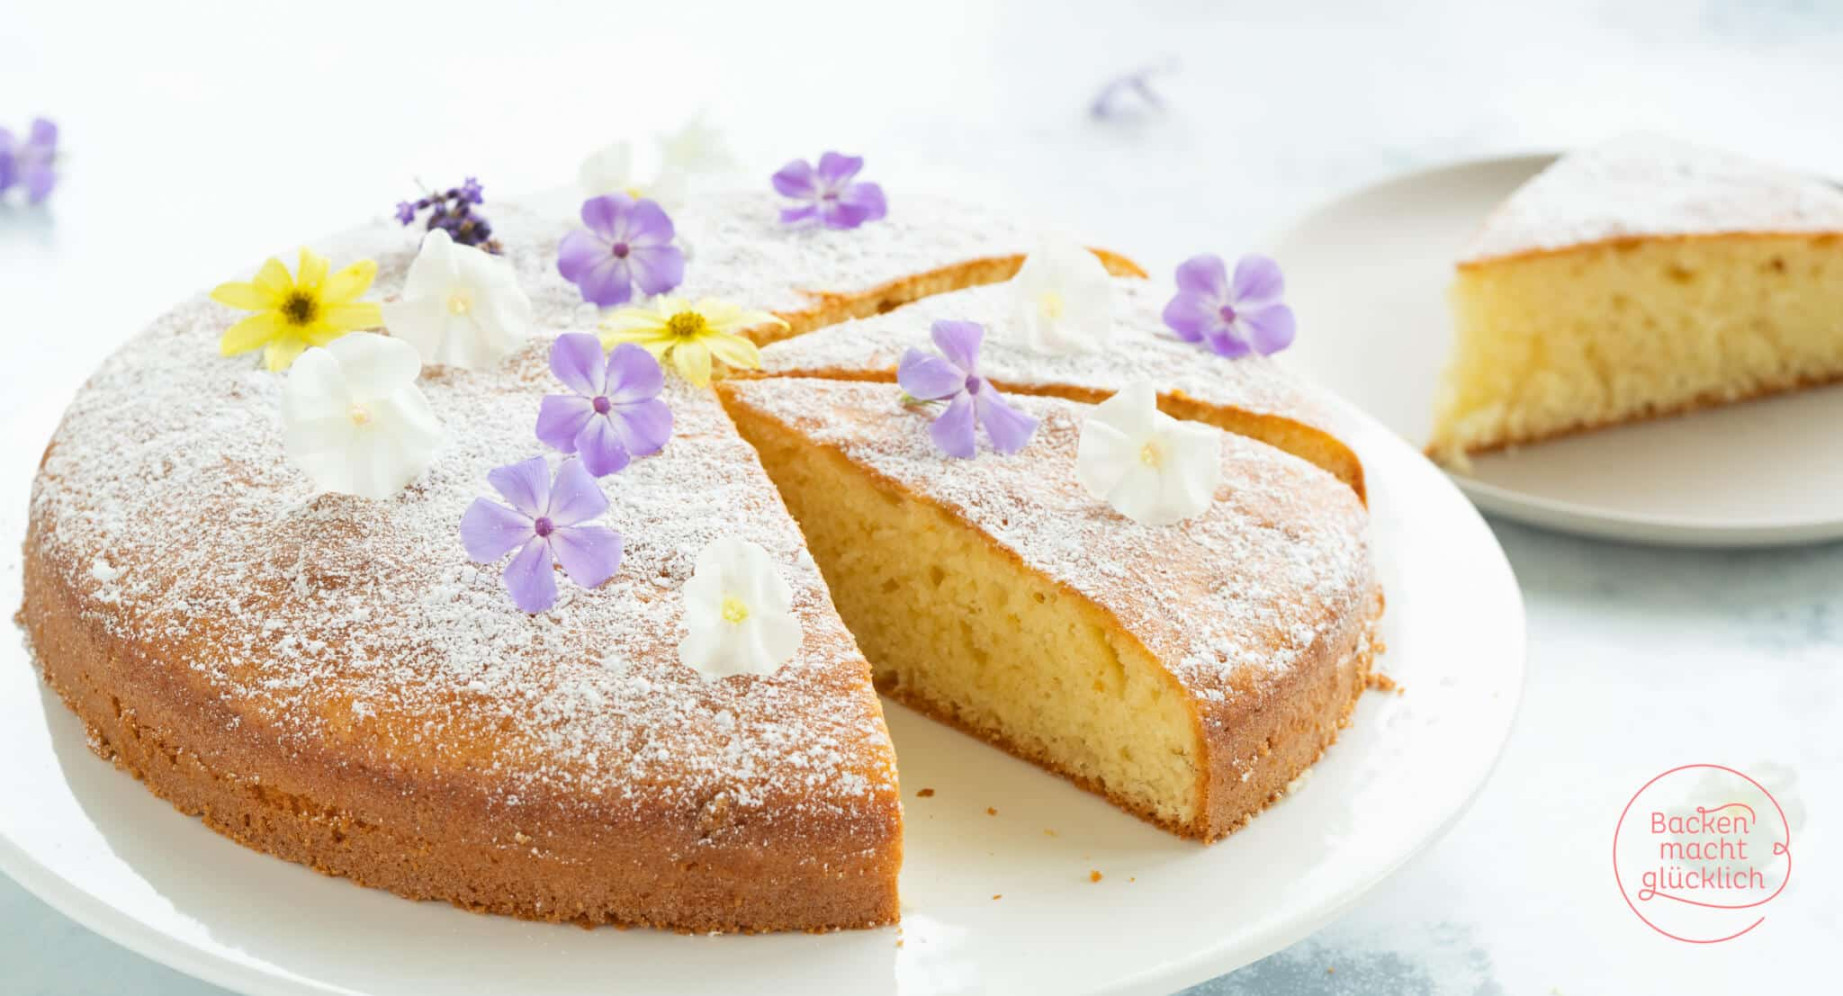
<point x="452" y="210"/>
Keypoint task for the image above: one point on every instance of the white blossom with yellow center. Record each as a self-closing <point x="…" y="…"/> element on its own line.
<point x="1150" y="467"/>
<point x="1062" y="300"/>
<point x="739" y="616"/>
<point x="353" y="418"/>
<point x="460" y="306"/>
<point x="694" y="149"/>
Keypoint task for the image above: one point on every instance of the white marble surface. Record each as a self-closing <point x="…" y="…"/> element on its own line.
<point x="204" y="137"/>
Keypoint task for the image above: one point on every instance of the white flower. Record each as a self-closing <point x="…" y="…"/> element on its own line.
<point x="1062" y="300"/>
<point x="460" y="305"/>
<point x="694" y="149"/>
<point x="1149" y="466"/>
<point x="353" y="418"/>
<point x="738" y="612"/>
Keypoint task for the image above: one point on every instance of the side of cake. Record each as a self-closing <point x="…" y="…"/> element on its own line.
<point x="1639" y="279"/>
<point x="1188" y="687"/>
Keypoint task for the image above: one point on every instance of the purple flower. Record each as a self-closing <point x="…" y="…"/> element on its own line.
<point x="545" y="525"/>
<point x="829" y="193"/>
<point x="971" y="399"/>
<point x="472" y="192"/>
<point x="627" y="242"/>
<point x="31" y="164"/>
<point x="1232" y="317"/>
<point x="406" y="212"/>
<point x="615" y="413"/>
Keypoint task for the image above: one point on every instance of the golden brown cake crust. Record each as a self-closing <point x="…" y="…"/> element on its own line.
<point x="448" y="841"/>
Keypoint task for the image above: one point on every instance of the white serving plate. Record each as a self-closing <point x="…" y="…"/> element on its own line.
<point x="96" y="845"/>
<point x="1368" y="275"/>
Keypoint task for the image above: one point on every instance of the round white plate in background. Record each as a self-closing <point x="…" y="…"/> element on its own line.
<point x="1368" y="275"/>
<point x="1166" y="912"/>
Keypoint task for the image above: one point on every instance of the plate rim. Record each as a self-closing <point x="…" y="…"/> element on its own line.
<point x="1575" y="518"/>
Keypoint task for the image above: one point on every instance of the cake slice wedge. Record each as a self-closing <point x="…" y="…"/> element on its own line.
<point x="1188" y="672"/>
<point x="1637" y="279"/>
<point x="1251" y="396"/>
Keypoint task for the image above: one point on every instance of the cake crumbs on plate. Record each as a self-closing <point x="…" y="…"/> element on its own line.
<point x="998" y="895"/>
<point x="1094" y="876"/>
<point x="925" y="794"/>
<point x="991" y="811"/>
<point x="1383" y="683"/>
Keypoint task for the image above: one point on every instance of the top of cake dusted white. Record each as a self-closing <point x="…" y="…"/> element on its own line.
<point x="1645" y="186"/>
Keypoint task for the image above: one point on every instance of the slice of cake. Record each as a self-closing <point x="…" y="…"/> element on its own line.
<point x="1186" y="672"/>
<point x="1637" y="279"/>
<point x="1250" y="396"/>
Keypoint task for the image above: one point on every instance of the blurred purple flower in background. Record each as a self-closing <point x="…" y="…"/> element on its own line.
<point x="30" y="164"/>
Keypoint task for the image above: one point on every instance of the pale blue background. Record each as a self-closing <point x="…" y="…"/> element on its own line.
<point x="198" y="132"/>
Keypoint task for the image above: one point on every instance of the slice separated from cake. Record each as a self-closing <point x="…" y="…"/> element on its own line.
<point x="1636" y="279"/>
<point x="1186" y="672"/>
<point x="1249" y="396"/>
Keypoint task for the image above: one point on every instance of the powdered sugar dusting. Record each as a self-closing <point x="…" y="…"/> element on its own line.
<point x="332" y="619"/>
<point x="1644" y="186"/>
<point x="740" y="251"/>
<point x="1276" y="563"/>
<point x="1141" y="349"/>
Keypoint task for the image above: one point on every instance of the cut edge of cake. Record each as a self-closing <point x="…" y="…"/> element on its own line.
<point x="1199" y="757"/>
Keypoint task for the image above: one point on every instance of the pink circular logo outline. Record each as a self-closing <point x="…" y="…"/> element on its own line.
<point x="1783" y="847"/>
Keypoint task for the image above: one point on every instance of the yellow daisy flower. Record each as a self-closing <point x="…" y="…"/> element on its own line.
<point x="689" y="334"/>
<point x="309" y="308"/>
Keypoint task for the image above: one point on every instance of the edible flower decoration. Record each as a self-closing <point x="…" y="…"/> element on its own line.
<point x="1150" y="467"/>
<point x="953" y="377"/>
<point x="695" y="149"/>
<point x="739" y="616"/>
<point x="613" y="412"/>
<point x="459" y="306"/>
<point x="294" y="311"/>
<point x="1062" y="300"/>
<point x="30" y="165"/>
<point x="548" y="524"/>
<point x="1234" y="317"/>
<point x="627" y="242"/>
<point x="353" y="418"/>
<point x="828" y="193"/>
<point x="690" y="335"/>
<point x="452" y="211"/>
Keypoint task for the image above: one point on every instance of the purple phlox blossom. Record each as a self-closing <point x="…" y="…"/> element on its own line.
<point x="1234" y="317"/>
<point x="31" y="164"/>
<point x="547" y="525"/>
<point x="828" y="192"/>
<point x="627" y="242"/>
<point x="613" y="412"/>
<point x="953" y="377"/>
